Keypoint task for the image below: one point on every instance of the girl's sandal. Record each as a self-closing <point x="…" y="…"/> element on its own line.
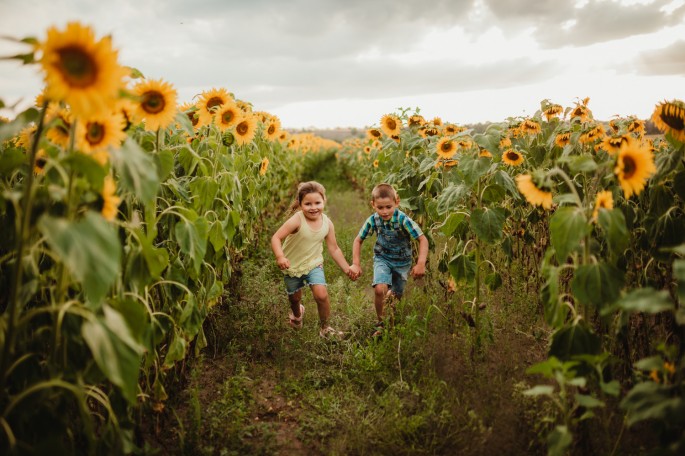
<point x="296" y="322"/>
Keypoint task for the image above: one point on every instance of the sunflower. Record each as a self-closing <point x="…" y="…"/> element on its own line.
<point x="39" y="164"/>
<point x="451" y="129"/>
<point x="391" y="125"/>
<point x="512" y="157"/>
<point x="244" y="105"/>
<point x="129" y="110"/>
<point x="669" y="117"/>
<point x="245" y="129"/>
<point x="367" y="150"/>
<point x="375" y="163"/>
<point x="505" y="142"/>
<point x="80" y="71"/>
<point x="273" y="128"/>
<point x="446" y="148"/>
<point x="485" y="153"/>
<point x="27" y="136"/>
<point x="110" y="200"/>
<point x="603" y="200"/>
<point x="636" y="126"/>
<point x="99" y="133"/>
<point x="533" y="194"/>
<point x="553" y="111"/>
<point x="156" y="104"/>
<point x="283" y="136"/>
<point x="416" y="120"/>
<point x="635" y="164"/>
<point x="581" y="111"/>
<point x="436" y="121"/>
<point x="612" y="144"/>
<point x="228" y="115"/>
<point x="60" y="124"/>
<point x="449" y="163"/>
<point x="373" y="133"/>
<point x="210" y="101"/>
<point x="562" y="139"/>
<point x="594" y="133"/>
<point x="264" y="166"/>
<point x="530" y="127"/>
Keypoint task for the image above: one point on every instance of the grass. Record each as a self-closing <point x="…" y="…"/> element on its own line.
<point x="263" y="388"/>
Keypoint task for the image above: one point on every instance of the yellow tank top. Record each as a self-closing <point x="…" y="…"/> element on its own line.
<point x="304" y="249"/>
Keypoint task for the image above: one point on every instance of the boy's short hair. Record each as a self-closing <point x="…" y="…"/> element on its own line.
<point x="383" y="191"/>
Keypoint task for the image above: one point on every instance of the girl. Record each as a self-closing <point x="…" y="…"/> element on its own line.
<point x="298" y="247"/>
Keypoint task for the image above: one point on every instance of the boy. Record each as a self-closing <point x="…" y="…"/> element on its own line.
<point x="392" y="257"/>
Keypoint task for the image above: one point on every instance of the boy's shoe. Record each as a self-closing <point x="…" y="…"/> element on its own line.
<point x="330" y="333"/>
<point x="296" y="322"/>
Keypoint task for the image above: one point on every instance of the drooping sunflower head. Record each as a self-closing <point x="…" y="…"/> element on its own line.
<point x="156" y="103"/>
<point x="191" y="111"/>
<point x="436" y="121"/>
<point x="40" y="162"/>
<point x="245" y="129"/>
<point x="636" y="126"/>
<point x="80" y="70"/>
<point x="553" y="111"/>
<point x="581" y="112"/>
<point x="228" y="115"/>
<point x="603" y="200"/>
<point x="110" y="200"/>
<point x="512" y="157"/>
<point x="530" y="127"/>
<point x="98" y="133"/>
<point x="484" y="153"/>
<point x="562" y="139"/>
<point x="612" y="144"/>
<point x="451" y="129"/>
<point x="446" y="148"/>
<point x="634" y="166"/>
<point x="391" y="125"/>
<point x="264" y="166"/>
<point x="669" y="118"/>
<point x="450" y="163"/>
<point x="416" y="120"/>
<point x="59" y="127"/>
<point x="592" y="134"/>
<point x="505" y="142"/>
<point x="27" y="136"/>
<point x="534" y="192"/>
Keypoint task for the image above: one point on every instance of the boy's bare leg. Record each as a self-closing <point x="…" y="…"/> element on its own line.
<point x="379" y="292"/>
<point x="320" y="293"/>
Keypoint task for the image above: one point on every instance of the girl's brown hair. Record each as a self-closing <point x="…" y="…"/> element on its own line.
<point x="305" y="188"/>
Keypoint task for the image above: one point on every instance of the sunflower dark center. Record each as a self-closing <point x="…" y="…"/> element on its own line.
<point x="95" y="133"/>
<point x="213" y="102"/>
<point x="193" y="120"/>
<point x="271" y="130"/>
<point x="227" y="116"/>
<point x="513" y="156"/>
<point x="629" y="167"/>
<point x="77" y="67"/>
<point x="153" y="102"/>
<point x="674" y="122"/>
<point x="391" y="124"/>
<point x="446" y="146"/>
<point x="242" y="128"/>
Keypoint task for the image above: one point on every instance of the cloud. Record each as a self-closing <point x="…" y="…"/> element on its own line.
<point x="666" y="61"/>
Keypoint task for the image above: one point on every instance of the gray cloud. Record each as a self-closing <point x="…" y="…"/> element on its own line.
<point x="667" y="61"/>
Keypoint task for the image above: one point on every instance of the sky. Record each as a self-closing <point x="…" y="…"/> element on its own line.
<point x="327" y="63"/>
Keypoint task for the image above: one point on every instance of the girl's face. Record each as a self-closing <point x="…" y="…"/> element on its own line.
<point x="312" y="205"/>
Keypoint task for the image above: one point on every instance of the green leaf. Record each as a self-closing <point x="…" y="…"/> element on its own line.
<point x="115" y="351"/>
<point x="540" y="390"/>
<point x="646" y="300"/>
<point x="504" y="180"/>
<point x="488" y="223"/>
<point x="451" y="197"/>
<point x="88" y="167"/>
<point x="612" y="388"/>
<point x="156" y="259"/>
<point x="581" y="164"/>
<point x="558" y="441"/>
<point x="649" y="400"/>
<point x="137" y="170"/>
<point x="89" y="248"/>
<point x="11" y="129"/>
<point x="546" y="367"/>
<point x="204" y="190"/>
<point x="576" y="339"/>
<point x="10" y="160"/>
<point x="493" y="281"/>
<point x="568" y="226"/>
<point x="597" y="284"/>
<point x="184" y="121"/>
<point x="452" y="222"/>
<point x="472" y="168"/>
<point x="613" y="223"/>
<point x="177" y="350"/>
<point x="191" y="234"/>
<point x="462" y="267"/>
<point x="555" y="310"/>
<point x="165" y="164"/>
<point x="679" y="274"/>
<point x="588" y="401"/>
<point x="216" y="236"/>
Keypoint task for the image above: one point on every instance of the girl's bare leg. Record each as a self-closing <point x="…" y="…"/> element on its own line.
<point x="320" y="293"/>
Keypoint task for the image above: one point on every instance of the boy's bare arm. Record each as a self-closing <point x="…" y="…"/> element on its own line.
<point x="420" y="268"/>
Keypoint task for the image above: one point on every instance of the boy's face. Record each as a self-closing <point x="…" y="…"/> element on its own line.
<point x="385" y="207"/>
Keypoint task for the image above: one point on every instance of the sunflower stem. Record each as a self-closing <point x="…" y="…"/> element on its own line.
<point x="17" y="275"/>
<point x="561" y="173"/>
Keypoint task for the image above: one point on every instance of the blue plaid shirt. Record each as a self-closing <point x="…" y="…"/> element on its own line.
<point x="398" y="217"/>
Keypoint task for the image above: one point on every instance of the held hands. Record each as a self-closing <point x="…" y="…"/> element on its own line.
<point x="354" y="272"/>
<point x="419" y="271"/>
<point x="283" y="262"/>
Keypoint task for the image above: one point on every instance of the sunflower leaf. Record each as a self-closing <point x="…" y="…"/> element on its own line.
<point x="137" y="169"/>
<point x="568" y="226"/>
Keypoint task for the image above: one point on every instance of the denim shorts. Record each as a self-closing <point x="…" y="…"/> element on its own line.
<point x="313" y="277"/>
<point x="390" y="273"/>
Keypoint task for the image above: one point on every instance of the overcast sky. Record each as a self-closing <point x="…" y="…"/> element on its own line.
<point x="329" y="63"/>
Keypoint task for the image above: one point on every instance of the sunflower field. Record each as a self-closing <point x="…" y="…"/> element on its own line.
<point x="125" y="215"/>
<point x="595" y="215"/>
